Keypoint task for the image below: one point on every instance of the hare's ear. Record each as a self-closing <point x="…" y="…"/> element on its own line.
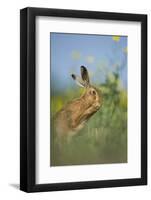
<point x="85" y="75"/>
<point x="78" y="80"/>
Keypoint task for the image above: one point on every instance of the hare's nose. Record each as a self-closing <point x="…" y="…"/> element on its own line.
<point x="98" y="105"/>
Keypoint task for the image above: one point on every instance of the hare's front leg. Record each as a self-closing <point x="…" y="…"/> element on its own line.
<point x="88" y="113"/>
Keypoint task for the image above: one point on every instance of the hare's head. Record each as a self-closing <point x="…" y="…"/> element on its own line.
<point x="92" y="96"/>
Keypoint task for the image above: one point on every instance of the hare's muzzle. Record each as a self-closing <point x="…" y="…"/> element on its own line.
<point x="97" y="106"/>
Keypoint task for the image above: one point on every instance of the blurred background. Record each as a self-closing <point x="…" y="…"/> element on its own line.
<point x="104" y="138"/>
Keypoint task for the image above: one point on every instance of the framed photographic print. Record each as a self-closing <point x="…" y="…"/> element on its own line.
<point x="83" y="99"/>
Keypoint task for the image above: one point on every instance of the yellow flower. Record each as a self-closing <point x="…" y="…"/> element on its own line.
<point x="116" y="38"/>
<point x="123" y="99"/>
<point x="125" y="50"/>
<point x="90" y="59"/>
<point x="60" y="104"/>
<point x="76" y="55"/>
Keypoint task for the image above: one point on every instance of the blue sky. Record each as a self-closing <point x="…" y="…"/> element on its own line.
<point x="101" y="54"/>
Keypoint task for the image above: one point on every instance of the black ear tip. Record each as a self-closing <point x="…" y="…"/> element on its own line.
<point x="73" y="76"/>
<point x="83" y="67"/>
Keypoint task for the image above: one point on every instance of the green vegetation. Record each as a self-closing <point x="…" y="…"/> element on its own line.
<point x="104" y="138"/>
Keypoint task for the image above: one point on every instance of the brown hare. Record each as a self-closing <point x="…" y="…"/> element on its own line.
<point x="73" y="116"/>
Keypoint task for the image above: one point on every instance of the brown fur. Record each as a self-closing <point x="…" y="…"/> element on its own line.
<point x="73" y="116"/>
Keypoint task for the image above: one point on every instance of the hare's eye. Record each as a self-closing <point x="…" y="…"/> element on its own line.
<point x="93" y="92"/>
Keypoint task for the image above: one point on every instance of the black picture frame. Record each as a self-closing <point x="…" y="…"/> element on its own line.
<point x="28" y="98"/>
